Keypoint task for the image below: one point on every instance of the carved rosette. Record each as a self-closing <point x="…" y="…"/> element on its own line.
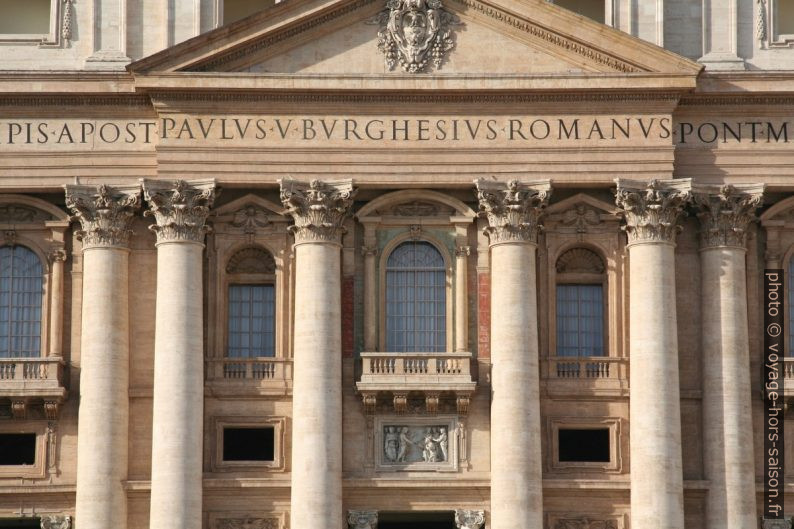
<point x="467" y="519"/>
<point x="362" y="519"/>
<point x="726" y="212"/>
<point x="652" y="210"/>
<point x="318" y="208"/>
<point x="105" y="213"/>
<point x="513" y="209"/>
<point x="180" y="208"/>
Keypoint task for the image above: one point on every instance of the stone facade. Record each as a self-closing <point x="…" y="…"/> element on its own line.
<point x="153" y="161"/>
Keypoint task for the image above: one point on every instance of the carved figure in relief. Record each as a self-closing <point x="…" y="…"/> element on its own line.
<point x="442" y="442"/>
<point x="392" y="443"/>
<point x="405" y="440"/>
<point x="430" y="448"/>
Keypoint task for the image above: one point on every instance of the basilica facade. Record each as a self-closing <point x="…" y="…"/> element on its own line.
<point x="416" y="264"/>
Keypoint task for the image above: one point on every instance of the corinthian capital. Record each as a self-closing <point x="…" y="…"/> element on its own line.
<point x="180" y="208"/>
<point x="319" y="208"/>
<point x="725" y="212"/>
<point x="652" y="209"/>
<point x="104" y="212"/>
<point x="513" y="209"/>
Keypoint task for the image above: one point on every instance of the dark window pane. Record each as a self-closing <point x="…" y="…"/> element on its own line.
<point x="21" y="286"/>
<point x="17" y="449"/>
<point x="248" y="444"/>
<point x="584" y="445"/>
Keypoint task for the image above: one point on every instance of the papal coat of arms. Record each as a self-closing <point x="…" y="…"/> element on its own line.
<point x="415" y="32"/>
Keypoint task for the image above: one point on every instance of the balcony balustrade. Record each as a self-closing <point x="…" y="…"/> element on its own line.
<point x="264" y="375"/>
<point x="25" y="380"/>
<point x="594" y="375"/>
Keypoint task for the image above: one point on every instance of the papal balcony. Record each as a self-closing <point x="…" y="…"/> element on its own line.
<point x="30" y="381"/>
<point x="259" y="376"/>
<point x="406" y="377"/>
<point x="586" y="375"/>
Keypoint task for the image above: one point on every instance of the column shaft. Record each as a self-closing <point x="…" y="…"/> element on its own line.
<point x="370" y="299"/>
<point x="56" y="323"/>
<point x="178" y="410"/>
<point x="461" y="300"/>
<point x="657" y="488"/>
<point x="102" y="429"/>
<point x="516" y="471"/>
<point x="317" y="389"/>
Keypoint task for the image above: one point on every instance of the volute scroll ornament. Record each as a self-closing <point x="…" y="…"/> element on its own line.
<point x="513" y="209"/>
<point x="726" y="212"/>
<point x="180" y="208"/>
<point x="318" y="208"/>
<point x="105" y="213"/>
<point x="414" y="33"/>
<point x="652" y="209"/>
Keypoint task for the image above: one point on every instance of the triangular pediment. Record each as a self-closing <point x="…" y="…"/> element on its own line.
<point x="342" y="37"/>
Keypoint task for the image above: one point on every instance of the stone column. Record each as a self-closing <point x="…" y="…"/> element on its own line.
<point x="513" y="211"/>
<point x="57" y="258"/>
<point x="370" y="252"/>
<point x="652" y="211"/>
<point x="102" y="430"/>
<point x="180" y="210"/>
<point x="319" y="209"/>
<point x="728" y="453"/>
<point x="461" y="298"/>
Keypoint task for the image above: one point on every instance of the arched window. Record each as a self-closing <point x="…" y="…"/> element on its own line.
<point x="416" y="299"/>
<point x="251" y="304"/>
<point x="21" y="288"/>
<point x="580" y="303"/>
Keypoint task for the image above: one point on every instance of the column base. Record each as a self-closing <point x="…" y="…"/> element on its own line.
<point x="107" y="60"/>
<point x="722" y="61"/>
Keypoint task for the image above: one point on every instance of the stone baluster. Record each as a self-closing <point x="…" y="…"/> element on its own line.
<point x="105" y="215"/>
<point x="180" y="210"/>
<point x="319" y="210"/>
<point x="725" y="214"/>
<point x="513" y="211"/>
<point x="652" y="211"/>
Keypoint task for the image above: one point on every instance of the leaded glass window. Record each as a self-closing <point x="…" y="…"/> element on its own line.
<point x="580" y="320"/>
<point x="416" y="305"/>
<point x="21" y="287"/>
<point x="252" y="321"/>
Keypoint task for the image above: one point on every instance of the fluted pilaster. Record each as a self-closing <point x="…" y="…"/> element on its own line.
<point x="513" y="211"/>
<point x="180" y="209"/>
<point x="319" y="210"/>
<point x="105" y="214"/>
<point x="725" y="214"/>
<point x="652" y="211"/>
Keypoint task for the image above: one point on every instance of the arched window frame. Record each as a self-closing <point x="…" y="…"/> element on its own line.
<point x="248" y="222"/>
<point x="41" y="228"/>
<point x="581" y="278"/>
<point x="45" y="275"/>
<point x="448" y="278"/>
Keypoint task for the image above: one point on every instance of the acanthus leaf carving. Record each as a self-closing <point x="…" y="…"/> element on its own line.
<point x="725" y="213"/>
<point x="469" y="519"/>
<point x="318" y="208"/>
<point x="414" y="33"/>
<point x="105" y="213"/>
<point x="180" y="208"/>
<point x="652" y="210"/>
<point x="513" y="209"/>
<point x="362" y="519"/>
<point x="247" y="523"/>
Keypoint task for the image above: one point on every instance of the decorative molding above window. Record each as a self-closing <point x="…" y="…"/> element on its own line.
<point x="251" y="260"/>
<point x="775" y="23"/>
<point x="581" y="261"/>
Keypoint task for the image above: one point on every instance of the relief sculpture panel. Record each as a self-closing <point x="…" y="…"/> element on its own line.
<point x="417" y="444"/>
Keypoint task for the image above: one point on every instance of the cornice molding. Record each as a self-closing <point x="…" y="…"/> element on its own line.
<point x="513" y="209"/>
<point x="319" y="208"/>
<point x="118" y="100"/>
<point x="105" y="214"/>
<point x="180" y="208"/>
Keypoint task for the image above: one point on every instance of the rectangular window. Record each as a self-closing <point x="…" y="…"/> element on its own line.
<point x="785" y="17"/>
<point x="234" y="10"/>
<point x="248" y="444"/>
<point x="252" y="321"/>
<point x="583" y="445"/>
<point x="31" y="17"/>
<point x="580" y="320"/>
<point x="590" y="8"/>
<point x="18" y="449"/>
